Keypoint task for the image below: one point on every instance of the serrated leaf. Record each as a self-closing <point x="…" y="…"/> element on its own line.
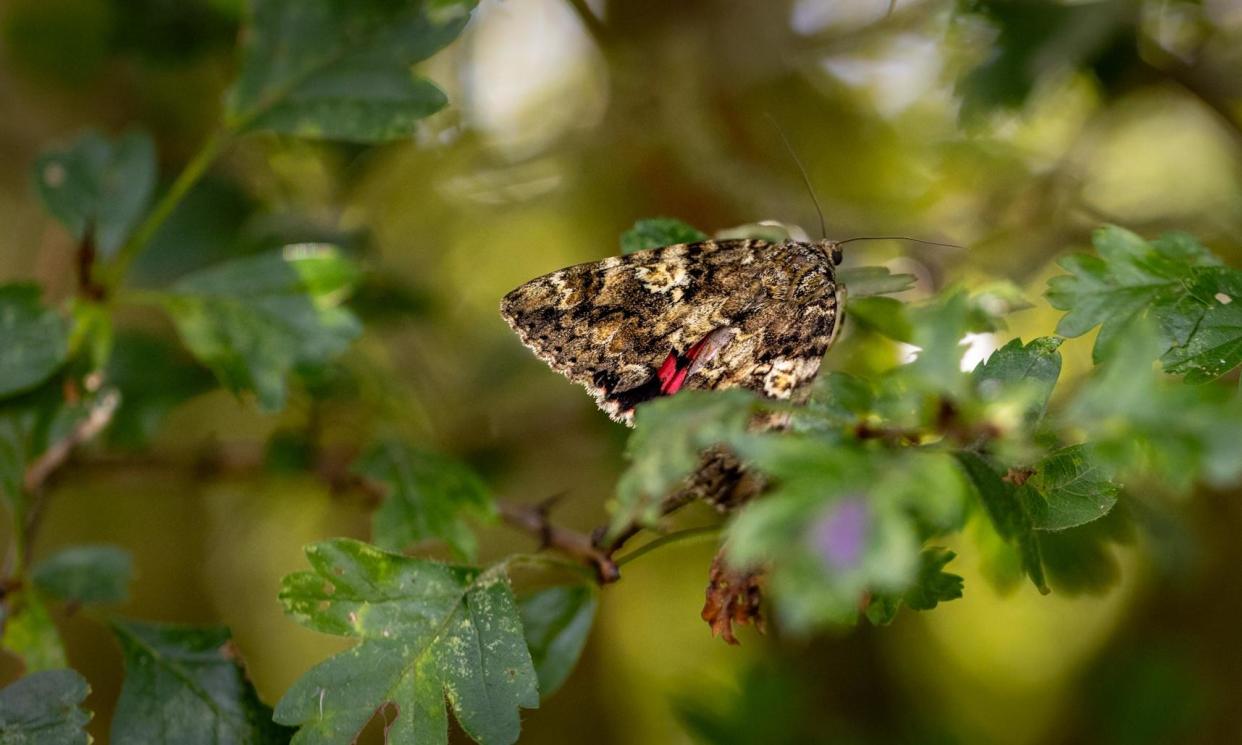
<point x="1028" y="372"/>
<point x="251" y="320"/>
<point x="44" y="708"/>
<point x="866" y="281"/>
<point x="30" y="634"/>
<point x="1129" y="279"/>
<point x="333" y="70"/>
<point x="932" y="587"/>
<point x="86" y="574"/>
<point x="1007" y="513"/>
<point x="1143" y="423"/>
<point x="1213" y="313"/>
<point x="669" y="435"/>
<point x="185" y="684"/>
<point x="100" y="185"/>
<point x="427" y="630"/>
<point x="655" y="232"/>
<point x="556" y="622"/>
<point x="34" y="340"/>
<point x="1069" y="488"/>
<point x="429" y="497"/>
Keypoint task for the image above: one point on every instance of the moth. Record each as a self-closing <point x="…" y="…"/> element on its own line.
<point x="709" y="315"/>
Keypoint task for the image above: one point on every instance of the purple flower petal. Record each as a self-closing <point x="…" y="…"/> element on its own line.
<point x="839" y="536"/>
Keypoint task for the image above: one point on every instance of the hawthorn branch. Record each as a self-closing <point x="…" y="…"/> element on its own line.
<point x="38" y="472"/>
<point x="534" y="519"/>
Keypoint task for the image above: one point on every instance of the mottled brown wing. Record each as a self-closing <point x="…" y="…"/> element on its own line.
<point x="611" y="325"/>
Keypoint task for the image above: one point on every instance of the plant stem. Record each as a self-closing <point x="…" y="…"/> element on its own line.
<point x="188" y="177"/>
<point x="664" y="540"/>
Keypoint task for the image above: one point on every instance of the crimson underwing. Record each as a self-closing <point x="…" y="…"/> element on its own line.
<point x="708" y="315"/>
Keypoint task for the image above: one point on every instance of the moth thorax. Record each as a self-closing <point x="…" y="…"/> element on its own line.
<point x="831" y="249"/>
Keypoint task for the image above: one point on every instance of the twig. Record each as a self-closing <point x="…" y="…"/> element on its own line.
<point x="54" y="457"/>
<point x="534" y="519"/>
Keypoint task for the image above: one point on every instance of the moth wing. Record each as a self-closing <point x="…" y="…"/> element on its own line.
<point x="607" y="324"/>
<point x="610" y="325"/>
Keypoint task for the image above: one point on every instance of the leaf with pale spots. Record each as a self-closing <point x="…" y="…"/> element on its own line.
<point x="428" y="631"/>
<point x="337" y="70"/>
<point x="98" y="185"/>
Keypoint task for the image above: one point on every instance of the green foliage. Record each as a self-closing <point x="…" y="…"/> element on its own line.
<point x="99" y="186"/>
<point x="251" y="320"/>
<point x="429" y="497"/>
<point x="671" y="433"/>
<point x="866" y="281"/>
<point x="29" y="423"/>
<point x="45" y="709"/>
<point x="931" y="587"/>
<point x="185" y="684"/>
<point x="557" y="621"/>
<point x="1018" y="372"/>
<point x="1172" y="282"/>
<point x="154" y="376"/>
<point x="1068" y="488"/>
<point x="29" y="633"/>
<point x="325" y="69"/>
<point x="658" y="231"/>
<point x="34" y="339"/>
<point x="1036" y="40"/>
<point x="426" y="631"/>
<point x="86" y="574"/>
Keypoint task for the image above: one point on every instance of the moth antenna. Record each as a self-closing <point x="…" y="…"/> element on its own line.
<point x="896" y="238"/>
<point x="823" y="226"/>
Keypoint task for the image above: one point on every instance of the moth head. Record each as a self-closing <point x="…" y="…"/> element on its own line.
<point x="831" y="249"/>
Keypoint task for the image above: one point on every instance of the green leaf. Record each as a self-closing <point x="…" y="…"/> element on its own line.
<point x="154" y="376"/>
<point x="34" y="340"/>
<point x="1035" y="40"/>
<point x="251" y="320"/>
<point x="826" y="532"/>
<point x="86" y="574"/>
<point x="30" y="634"/>
<point x="29" y="423"/>
<point x="1130" y="279"/>
<point x="44" y="708"/>
<point x="100" y="185"/>
<point x="1008" y="514"/>
<point x="670" y="434"/>
<point x="884" y="315"/>
<point x="866" y="281"/>
<point x="333" y="70"/>
<point x="1026" y="373"/>
<point x="1147" y="426"/>
<point x="427" y="631"/>
<point x="1069" y="488"/>
<point x="659" y="231"/>
<point x="557" y="621"/>
<point x="185" y="684"/>
<point x="1213" y="346"/>
<point x="932" y="587"/>
<point x="429" y="497"/>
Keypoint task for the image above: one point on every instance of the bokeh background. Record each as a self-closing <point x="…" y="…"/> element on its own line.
<point x="1011" y="128"/>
